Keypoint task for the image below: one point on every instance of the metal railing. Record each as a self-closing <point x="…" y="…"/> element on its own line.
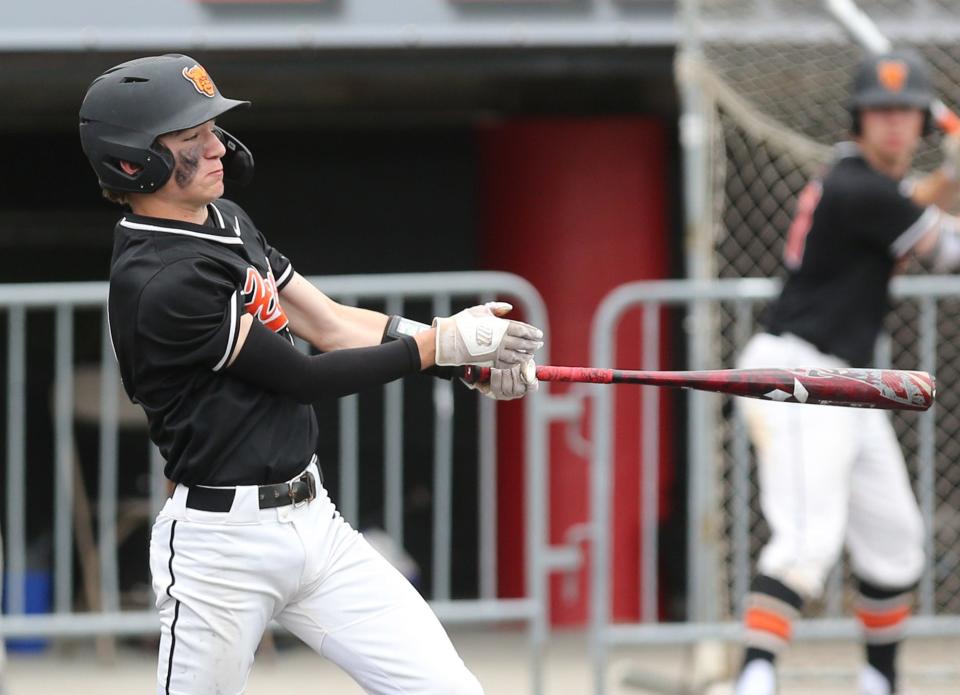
<point x="389" y="292"/>
<point x="721" y="544"/>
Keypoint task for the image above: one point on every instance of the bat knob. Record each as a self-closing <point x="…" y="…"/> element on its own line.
<point x="471" y="373"/>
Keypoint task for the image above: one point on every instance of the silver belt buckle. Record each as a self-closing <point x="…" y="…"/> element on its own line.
<point x="311" y="490"/>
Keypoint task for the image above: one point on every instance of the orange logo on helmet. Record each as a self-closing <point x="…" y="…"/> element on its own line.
<point x="201" y="81"/>
<point x="892" y="74"/>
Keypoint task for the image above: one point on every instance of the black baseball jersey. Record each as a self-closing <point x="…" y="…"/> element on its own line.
<point x="849" y="229"/>
<point x="177" y="291"/>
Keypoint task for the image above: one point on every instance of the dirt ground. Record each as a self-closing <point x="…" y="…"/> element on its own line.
<point x="500" y="660"/>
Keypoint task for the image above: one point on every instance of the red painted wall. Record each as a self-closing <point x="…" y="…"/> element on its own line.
<point x="578" y="207"/>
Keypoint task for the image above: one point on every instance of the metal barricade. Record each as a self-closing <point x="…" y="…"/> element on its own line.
<point x="391" y="293"/>
<point x="721" y="501"/>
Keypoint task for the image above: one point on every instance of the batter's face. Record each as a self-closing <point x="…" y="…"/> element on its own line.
<point x="197" y="177"/>
<point x="891" y="135"/>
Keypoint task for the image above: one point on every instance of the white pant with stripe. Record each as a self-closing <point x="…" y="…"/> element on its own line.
<point x="221" y="577"/>
<point x="829" y="477"/>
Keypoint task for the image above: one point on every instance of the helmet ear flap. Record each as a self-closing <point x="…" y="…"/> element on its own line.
<point x="238" y="161"/>
<point x="154" y="167"/>
<point x="164" y="161"/>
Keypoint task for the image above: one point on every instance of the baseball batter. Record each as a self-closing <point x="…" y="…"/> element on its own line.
<point x="834" y="477"/>
<point x="201" y="312"/>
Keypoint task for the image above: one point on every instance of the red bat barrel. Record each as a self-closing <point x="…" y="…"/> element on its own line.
<point x="887" y="389"/>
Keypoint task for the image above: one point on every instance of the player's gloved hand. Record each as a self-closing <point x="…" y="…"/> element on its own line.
<point x="950" y="147"/>
<point x="479" y="336"/>
<point x="508" y="384"/>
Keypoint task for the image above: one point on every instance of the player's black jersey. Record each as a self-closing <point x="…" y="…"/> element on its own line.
<point x="848" y="232"/>
<point x="177" y="291"/>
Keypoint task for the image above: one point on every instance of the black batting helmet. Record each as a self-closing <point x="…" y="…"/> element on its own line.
<point x="898" y="78"/>
<point x="129" y="106"/>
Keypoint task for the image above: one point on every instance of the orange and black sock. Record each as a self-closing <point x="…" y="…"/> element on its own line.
<point x="883" y="615"/>
<point x="771" y="607"/>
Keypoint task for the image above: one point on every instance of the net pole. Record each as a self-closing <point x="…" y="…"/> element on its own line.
<point x="695" y="121"/>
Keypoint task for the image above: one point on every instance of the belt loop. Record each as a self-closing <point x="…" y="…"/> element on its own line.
<point x="246" y="506"/>
<point x="314" y="467"/>
<point x="178" y="501"/>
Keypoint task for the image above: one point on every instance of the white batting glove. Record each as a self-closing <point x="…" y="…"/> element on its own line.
<point x="508" y="384"/>
<point x="479" y="336"/>
<point x="950" y="147"/>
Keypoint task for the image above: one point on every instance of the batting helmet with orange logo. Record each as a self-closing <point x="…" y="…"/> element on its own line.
<point x="130" y="105"/>
<point x="899" y="78"/>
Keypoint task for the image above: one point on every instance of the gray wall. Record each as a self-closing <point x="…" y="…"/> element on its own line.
<point x="149" y="24"/>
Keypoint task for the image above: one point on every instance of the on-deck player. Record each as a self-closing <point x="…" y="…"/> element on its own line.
<point x="835" y="477"/>
<point x="201" y="312"/>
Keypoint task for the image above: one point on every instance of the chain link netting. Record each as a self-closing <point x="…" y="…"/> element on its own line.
<point x="778" y="108"/>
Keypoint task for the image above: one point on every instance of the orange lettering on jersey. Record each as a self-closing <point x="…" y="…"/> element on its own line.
<point x="800" y="227"/>
<point x="892" y="74"/>
<point x="261" y="298"/>
<point x="200" y="80"/>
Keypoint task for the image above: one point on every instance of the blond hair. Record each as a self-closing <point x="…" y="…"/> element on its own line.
<point x="115" y="196"/>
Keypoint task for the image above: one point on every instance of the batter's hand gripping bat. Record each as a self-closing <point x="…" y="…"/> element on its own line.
<point x="885" y="389"/>
<point x="866" y="33"/>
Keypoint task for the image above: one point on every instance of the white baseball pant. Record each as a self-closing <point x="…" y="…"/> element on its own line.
<point x="829" y="476"/>
<point x="221" y="577"/>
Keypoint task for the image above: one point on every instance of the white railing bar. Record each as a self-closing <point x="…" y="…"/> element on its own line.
<point x="740" y="474"/>
<point x="393" y="447"/>
<point x="442" y="473"/>
<point x="810" y="629"/>
<point x="15" y="531"/>
<point x="147" y="622"/>
<point x="370" y="286"/>
<point x="926" y="455"/>
<point x="650" y="466"/>
<point x="487" y="495"/>
<point x="349" y="457"/>
<point x="63" y="461"/>
<point x="349" y="502"/>
<point x="108" y="488"/>
<point x="684" y="291"/>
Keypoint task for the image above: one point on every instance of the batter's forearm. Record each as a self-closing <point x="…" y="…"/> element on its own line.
<point x="326" y="324"/>
<point x="427" y="344"/>
<point x="360" y="327"/>
<point x="341" y="332"/>
<point x="936" y="188"/>
<point x="272" y="363"/>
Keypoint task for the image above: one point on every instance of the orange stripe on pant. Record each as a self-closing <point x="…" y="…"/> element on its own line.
<point x="879" y="621"/>
<point x="768" y="621"/>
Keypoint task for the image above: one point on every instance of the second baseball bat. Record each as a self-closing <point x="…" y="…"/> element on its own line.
<point x="886" y="389"/>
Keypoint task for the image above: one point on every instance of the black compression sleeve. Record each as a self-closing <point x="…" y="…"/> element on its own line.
<point x="272" y="363"/>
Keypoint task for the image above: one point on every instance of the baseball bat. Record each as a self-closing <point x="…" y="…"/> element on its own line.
<point x="885" y="389"/>
<point x="865" y="32"/>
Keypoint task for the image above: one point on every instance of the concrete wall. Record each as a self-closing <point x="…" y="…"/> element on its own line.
<point x="148" y="24"/>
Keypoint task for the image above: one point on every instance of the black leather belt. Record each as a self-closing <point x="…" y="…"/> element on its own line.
<point x="220" y="499"/>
